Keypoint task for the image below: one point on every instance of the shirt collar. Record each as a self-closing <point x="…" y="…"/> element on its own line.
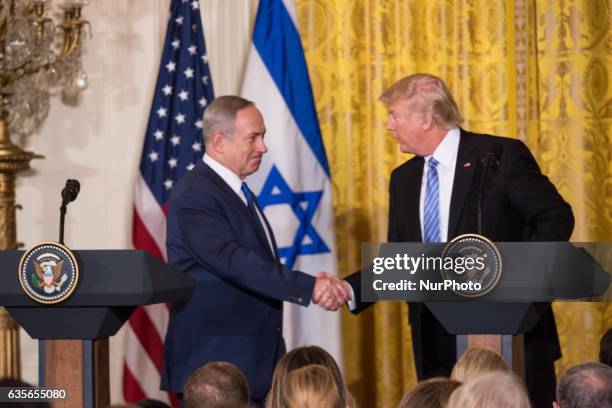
<point x="226" y="174"/>
<point x="447" y="149"/>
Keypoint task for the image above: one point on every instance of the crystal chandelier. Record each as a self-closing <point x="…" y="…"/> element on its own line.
<point x="38" y="58"/>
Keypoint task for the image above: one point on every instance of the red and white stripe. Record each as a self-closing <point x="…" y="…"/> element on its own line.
<point x="147" y="326"/>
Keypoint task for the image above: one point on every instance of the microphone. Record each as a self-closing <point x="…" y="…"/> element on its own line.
<point x="490" y="163"/>
<point x="491" y="159"/>
<point x="69" y="193"/>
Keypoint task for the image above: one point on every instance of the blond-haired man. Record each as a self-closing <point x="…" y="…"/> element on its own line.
<point x="433" y="197"/>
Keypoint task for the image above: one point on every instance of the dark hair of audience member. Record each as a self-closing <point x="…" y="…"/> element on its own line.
<point x="216" y="383"/>
<point x="228" y="404"/>
<point x="152" y="403"/>
<point x="431" y="393"/>
<point x="298" y="358"/>
<point x="123" y="406"/>
<point x="586" y="386"/>
<point x="605" y="349"/>
<point x="312" y="386"/>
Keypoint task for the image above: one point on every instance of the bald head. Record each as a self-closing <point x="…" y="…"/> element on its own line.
<point x="216" y="383"/>
<point x="586" y="386"/>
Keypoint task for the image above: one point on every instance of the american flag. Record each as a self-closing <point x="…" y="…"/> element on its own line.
<point x="172" y="146"/>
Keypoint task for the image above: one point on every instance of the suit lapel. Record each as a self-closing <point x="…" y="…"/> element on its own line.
<point x="467" y="161"/>
<point x="274" y="250"/>
<point x="237" y="203"/>
<point x="410" y="194"/>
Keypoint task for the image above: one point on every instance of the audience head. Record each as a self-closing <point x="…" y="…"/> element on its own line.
<point x="214" y="384"/>
<point x="495" y="389"/>
<point x="432" y="393"/>
<point x="152" y="403"/>
<point x="605" y="349"/>
<point x="123" y="406"/>
<point x="585" y="386"/>
<point x="298" y="358"/>
<point x="477" y="361"/>
<point x="312" y="386"/>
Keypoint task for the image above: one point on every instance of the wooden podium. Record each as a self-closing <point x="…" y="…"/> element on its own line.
<point x="73" y="335"/>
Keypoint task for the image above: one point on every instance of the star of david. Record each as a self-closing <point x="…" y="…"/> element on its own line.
<point x="304" y="205"/>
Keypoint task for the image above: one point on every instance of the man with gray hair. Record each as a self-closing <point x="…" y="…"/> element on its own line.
<point x="218" y="235"/>
<point x="435" y="196"/>
<point x="214" y="384"/>
<point x="585" y="386"/>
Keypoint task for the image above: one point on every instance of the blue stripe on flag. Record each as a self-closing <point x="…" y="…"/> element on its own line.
<point x="173" y="141"/>
<point x="276" y="39"/>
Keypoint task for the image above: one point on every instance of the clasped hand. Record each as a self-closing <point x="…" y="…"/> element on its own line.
<point x="330" y="292"/>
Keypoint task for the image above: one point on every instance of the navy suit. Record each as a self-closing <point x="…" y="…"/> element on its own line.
<point x="235" y="311"/>
<point x="520" y="204"/>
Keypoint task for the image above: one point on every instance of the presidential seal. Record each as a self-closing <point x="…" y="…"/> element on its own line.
<point x="48" y="273"/>
<point x="476" y="268"/>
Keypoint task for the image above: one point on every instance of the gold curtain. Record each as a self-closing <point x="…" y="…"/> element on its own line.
<point x="533" y="69"/>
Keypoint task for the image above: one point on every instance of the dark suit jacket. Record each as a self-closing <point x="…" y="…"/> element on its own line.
<point x="520" y="204"/>
<point x="235" y="311"/>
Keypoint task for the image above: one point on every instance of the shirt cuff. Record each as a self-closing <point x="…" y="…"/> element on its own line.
<point x="352" y="304"/>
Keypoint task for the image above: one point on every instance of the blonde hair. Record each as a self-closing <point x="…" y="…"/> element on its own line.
<point x="298" y="358"/>
<point x="495" y="389"/>
<point x="312" y="386"/>
<point x="432" y="393"/>
<point x="477" y="361"/>
<point x="428" y="94"/>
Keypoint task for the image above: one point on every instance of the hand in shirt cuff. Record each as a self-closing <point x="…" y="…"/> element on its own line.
<point x="352" y="303"/>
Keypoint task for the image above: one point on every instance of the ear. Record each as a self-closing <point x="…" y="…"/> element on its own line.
<point x="428" y="122"/>
<point x="217" y="142"/>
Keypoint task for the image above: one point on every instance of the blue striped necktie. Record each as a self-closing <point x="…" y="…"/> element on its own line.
<point x="431" y="206"/>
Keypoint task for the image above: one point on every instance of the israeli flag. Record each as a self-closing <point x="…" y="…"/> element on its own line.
<point x="293" y="183"/>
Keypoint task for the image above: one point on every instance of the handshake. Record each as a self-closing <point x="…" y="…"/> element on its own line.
<point x="331" y="292"/>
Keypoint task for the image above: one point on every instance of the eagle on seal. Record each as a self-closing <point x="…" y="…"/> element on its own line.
<point x="51" y="278"/>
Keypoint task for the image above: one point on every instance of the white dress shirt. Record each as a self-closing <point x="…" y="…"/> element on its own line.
<point x="446" y="156"/>
<point x="235" y="184"/>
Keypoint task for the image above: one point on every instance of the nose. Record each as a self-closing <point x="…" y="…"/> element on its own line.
<point x="390" y="124"/>
<point x="261" y="147"/>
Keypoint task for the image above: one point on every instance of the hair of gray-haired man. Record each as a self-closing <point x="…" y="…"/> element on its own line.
<point x="220" y="115"/>
<point x="425" y="93"/>
<point x="586" y="386"/>
<point x="216" y="383"/>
